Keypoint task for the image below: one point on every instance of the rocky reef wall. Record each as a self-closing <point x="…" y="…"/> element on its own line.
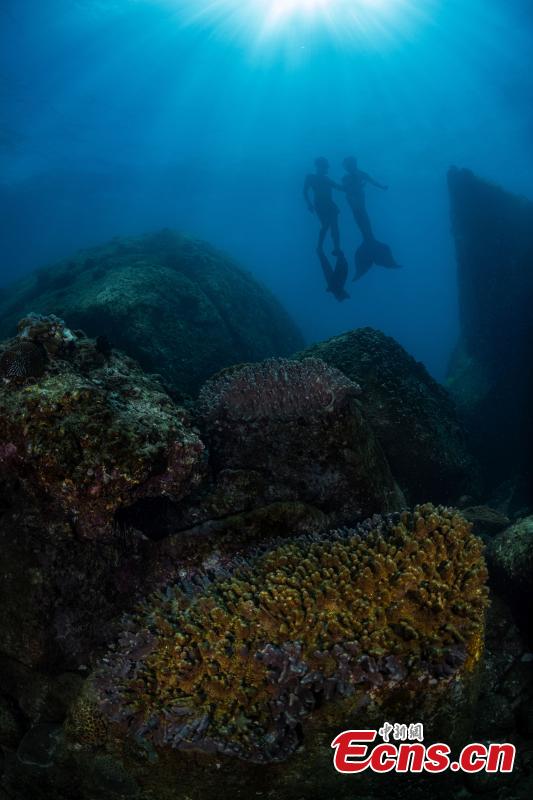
<point x="491" y="372"/>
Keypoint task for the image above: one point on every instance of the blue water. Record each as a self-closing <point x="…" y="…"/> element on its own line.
<point x="123" y="116"/>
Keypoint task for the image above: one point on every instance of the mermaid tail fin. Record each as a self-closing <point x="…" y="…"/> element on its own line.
<point x="373" y="252"/>
<point x="335" y="278"/>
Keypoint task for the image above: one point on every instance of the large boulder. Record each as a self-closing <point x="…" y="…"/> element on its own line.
<point x="289" y="450"/>
<point x="411" y="415"/>
<point x="491" y="374"/>
<point x="175" y="304"/>
<point x="87" y="430"/>
<point x="510" y="558"/>
<point x="298" y="427"/>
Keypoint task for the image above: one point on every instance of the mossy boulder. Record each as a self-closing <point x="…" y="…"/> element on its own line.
<point x="412" y="415"/>
<point x="175" y="304"/>
<point x="90" y="432"/>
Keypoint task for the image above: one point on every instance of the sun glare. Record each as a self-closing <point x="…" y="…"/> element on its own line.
<point x="260" y="21"/>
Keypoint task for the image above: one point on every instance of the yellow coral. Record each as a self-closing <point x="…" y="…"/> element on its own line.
<point x="310" y="610"/>
<point x="86" y="724"/>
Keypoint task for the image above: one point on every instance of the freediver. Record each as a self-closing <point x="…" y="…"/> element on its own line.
<point x="326" y="210"/>
<point x="371" y="251"/>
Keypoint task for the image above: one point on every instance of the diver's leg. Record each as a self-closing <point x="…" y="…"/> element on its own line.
<point x="363" y="221"/>
<point x="324" y="228"/>
<point x="335" y="235"/>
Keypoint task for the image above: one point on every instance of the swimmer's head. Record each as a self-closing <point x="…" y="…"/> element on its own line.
<point x="350" y="164"/>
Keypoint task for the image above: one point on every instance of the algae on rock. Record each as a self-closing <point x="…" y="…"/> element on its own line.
<point x="178" y="306"/>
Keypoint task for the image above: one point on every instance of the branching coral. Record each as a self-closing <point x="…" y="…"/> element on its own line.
<point x="276" y="388"/>
<point x="234" y="662"/>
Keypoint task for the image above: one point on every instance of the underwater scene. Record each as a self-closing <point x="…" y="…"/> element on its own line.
<point x="266" y="399"/>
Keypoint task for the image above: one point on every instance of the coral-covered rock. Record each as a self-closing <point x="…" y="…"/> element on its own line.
<point x="289" y="451"/>
<point x="491" y="374"/>
<point x="411" y="415"/>
<point x="175" y="304"/>
<point x="92" y="433"/>
<point x="510" y="558"/>
<point x="293" y="432"/>
<point x="285" y="646"/>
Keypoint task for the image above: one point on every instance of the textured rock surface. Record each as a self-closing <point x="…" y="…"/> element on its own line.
<point x="93" y="451"/>
<point x="506" y="692"/>
<point x="412" y="416"/>
<point x="485" y="521"/>
<point x="92" y="433"/>
<point x="491" y="375"/>
<point x="295" y="431"/>
<point x="510" y="556"/>
<point x="289" y="450"/>
<point x="175" y="304"/>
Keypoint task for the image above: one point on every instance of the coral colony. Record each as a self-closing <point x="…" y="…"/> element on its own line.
<point x="234" y="663"/>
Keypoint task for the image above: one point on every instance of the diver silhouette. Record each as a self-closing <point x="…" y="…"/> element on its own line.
<point x="326" y="210"/>
<point x="371" y="251"/>
<point x="321" y="187"/>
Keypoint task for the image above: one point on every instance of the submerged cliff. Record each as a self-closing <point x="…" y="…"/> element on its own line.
<point x="491" y="374"/>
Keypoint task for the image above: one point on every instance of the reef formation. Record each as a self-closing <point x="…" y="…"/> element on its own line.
<point x="87" y="431"/>
<point x="411" y="415"/>
<point x="178" y="306"/>
<point x="234" y="661"/>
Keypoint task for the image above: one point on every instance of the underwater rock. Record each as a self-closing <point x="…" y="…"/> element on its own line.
<point x="93" y="433"/>
<point x="11" y="729"/>
<point x="491" y="373"/>
<point x="510" y="559"/>
<point x="411" y="415"/>
<point x="289" y="431"/>
<point x="485" y="521"/>
<point x="283" y="647"/>
<point x="288" y="451"/>
<point x="178" y="306"/>
<point x="39" y="745"/>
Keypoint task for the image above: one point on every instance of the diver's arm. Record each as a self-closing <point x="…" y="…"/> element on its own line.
<point x="307" y="189"/>
<point x="371" y="180"/>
